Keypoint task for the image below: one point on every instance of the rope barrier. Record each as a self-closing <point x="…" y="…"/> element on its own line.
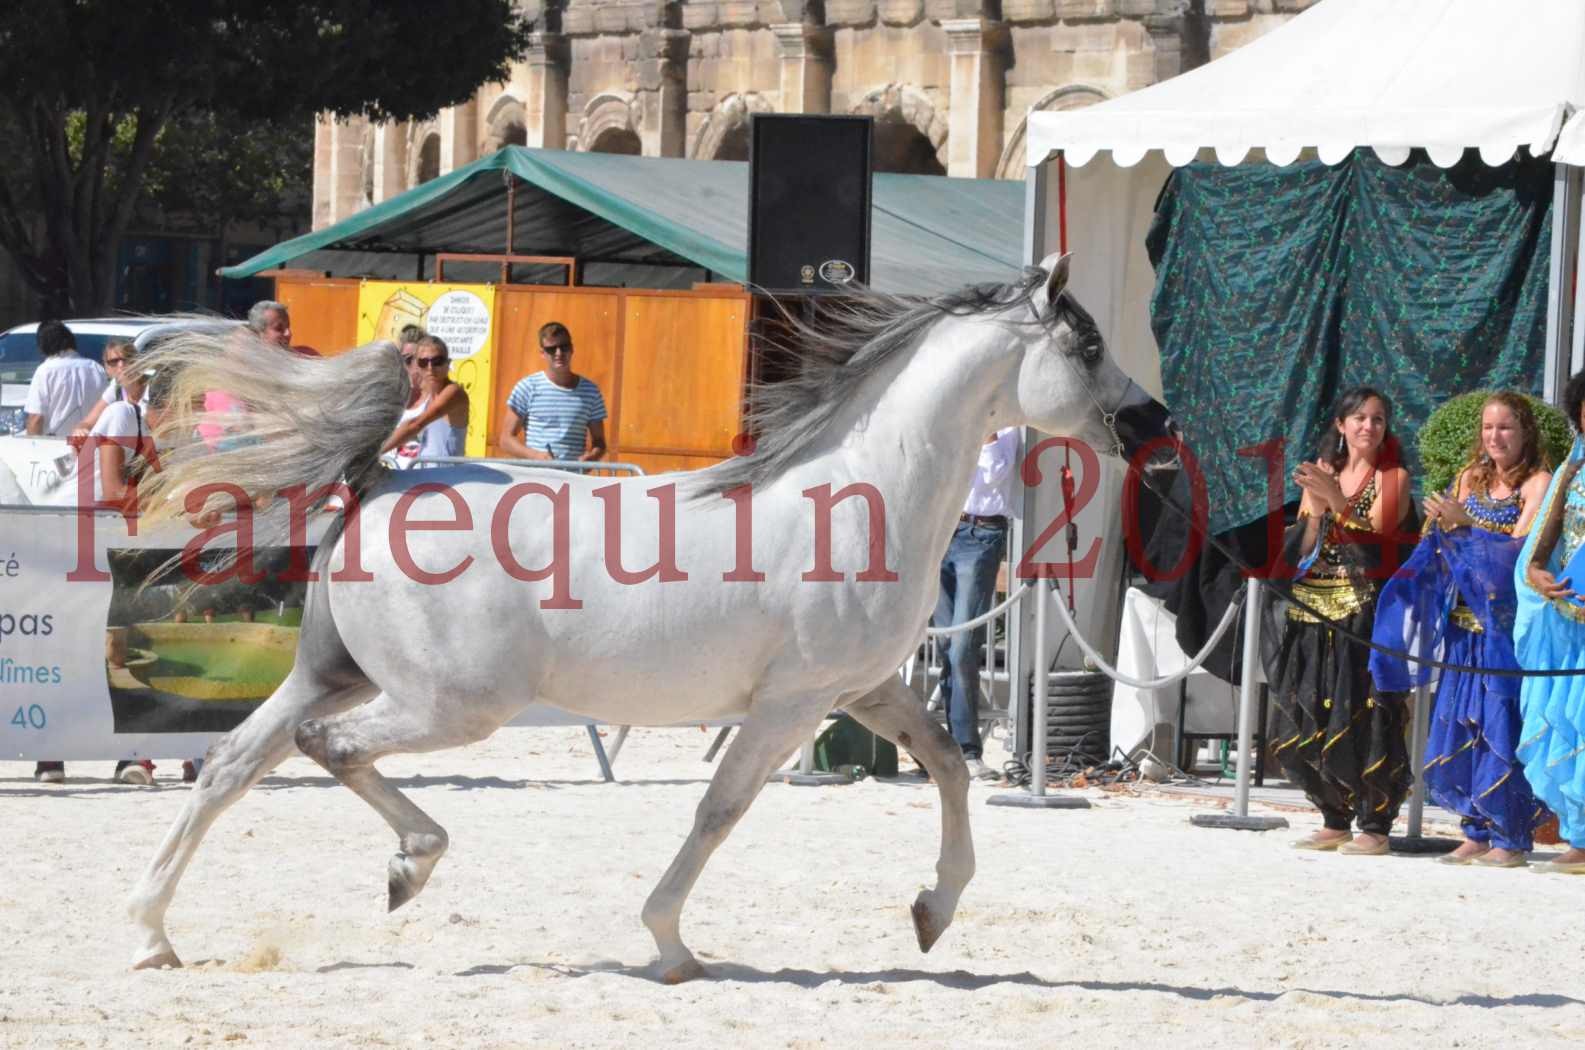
<point x="1285" y="589"/>
<point x="1115" y="675"/>
<point x="969" y="625"/>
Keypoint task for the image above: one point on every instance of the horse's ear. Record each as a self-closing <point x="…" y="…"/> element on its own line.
<point x="1056" y="266"/>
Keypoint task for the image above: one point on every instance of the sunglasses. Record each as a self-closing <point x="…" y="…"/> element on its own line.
<point x="431" y="362"/>
<point x="560" y="348"/>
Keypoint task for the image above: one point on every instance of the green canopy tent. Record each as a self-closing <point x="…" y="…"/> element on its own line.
<point x="673" y="218"/>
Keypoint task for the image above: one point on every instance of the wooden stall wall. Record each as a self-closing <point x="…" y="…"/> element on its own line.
<point x="324" y="311"/>
<point x="671" y="365"/>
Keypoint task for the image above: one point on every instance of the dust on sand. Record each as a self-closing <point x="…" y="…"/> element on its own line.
<point x="1117" y="926"/>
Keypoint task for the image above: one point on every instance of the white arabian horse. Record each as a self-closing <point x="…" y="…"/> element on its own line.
<point x="743" y="623"/>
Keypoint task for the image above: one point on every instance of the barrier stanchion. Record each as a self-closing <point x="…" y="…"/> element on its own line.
<point x="1414" y="841"/>
<point x="1035" y="796"/>
<point x="1239" y="819"/>
<point x="805" y="775"/>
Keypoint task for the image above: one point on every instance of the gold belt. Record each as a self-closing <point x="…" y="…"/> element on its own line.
<point x="1334" y="599"/>
<point x="1463" y="616"/>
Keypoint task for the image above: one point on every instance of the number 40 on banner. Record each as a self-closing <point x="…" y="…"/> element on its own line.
<point x="29" y="717"/>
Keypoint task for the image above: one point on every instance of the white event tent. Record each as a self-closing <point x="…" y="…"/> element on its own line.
<point x="1393" y="75"/>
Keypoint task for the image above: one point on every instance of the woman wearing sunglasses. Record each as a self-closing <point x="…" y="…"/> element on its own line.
<point x="118" y="360"/>
<point x="438" y="424"/>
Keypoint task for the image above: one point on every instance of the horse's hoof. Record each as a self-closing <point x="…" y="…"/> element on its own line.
<point x="927" y="927"/>
<point x="688" y="970"/>
<point x="159" y="961"/>
<point x="404" y="880"/>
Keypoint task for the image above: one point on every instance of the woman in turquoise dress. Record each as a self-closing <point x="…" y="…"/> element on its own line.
<point x="1549" y="635"/>
<point x="1454" y="600"/>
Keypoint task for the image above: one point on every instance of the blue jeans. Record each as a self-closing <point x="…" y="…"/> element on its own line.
<point x="968" y="582"/>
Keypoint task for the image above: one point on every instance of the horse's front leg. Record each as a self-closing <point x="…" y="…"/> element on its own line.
<point x="893" y="711"/>
<point x="773" y="729"/>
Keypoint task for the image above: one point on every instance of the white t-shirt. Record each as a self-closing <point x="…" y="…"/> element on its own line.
<point x="121" y="420"/>
<point x="114" y="393"/>
<point x="63" y="390"/>
<point x="991" y="494"/>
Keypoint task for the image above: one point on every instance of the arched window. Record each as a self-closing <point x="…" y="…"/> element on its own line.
<point x="507" y="125"/>
<point x="904" y="150"/>
<point x="428" y="160"/>
<point x="617" y="140"/>
<point x="910" y="135"/>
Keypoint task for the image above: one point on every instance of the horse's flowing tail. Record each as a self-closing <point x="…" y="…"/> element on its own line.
<point x="234" y="413"/>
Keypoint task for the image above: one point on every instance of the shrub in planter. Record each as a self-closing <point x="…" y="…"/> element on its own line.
<point x="1446" y="437"/>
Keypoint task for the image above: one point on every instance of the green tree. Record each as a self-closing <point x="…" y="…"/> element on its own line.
<point x="88" y="88"/>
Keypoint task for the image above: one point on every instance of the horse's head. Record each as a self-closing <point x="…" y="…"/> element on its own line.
<point x="1069" y="384"/>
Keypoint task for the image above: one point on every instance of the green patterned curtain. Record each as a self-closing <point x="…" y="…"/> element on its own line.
<point x="1279" y="288"/>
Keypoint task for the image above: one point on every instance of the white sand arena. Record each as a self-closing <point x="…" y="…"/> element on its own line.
<point x="1118" y="926"/>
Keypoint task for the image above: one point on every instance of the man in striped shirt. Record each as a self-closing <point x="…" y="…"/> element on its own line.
<point x="554" y="414"/>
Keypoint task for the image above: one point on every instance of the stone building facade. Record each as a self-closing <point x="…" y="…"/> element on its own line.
<point x="949" y="82"/>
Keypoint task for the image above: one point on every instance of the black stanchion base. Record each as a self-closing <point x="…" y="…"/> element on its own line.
<point x="797" y="779"/>
<point x="1421" y="845"/>
<point x="1025" y="800"/>
<point x="1237" y="823"/>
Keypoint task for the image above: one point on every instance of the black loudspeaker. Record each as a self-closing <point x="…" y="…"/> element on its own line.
<point x="809" y="202"/>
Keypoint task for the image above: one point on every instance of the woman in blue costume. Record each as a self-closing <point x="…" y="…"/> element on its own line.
<point x="1454" y="600"/>
<point x="1334" y="739"/>
<point x="1549" y="635"/>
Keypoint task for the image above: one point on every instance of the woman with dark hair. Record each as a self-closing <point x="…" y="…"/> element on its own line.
<point x="1455" y="596"/>
<point x="1549" y="635"/>
<point x="1335" y="738"/>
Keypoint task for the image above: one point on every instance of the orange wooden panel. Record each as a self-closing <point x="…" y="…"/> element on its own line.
<point x="593" y="316"/>
<point x="655" y="463"/>
<point x="324" y="312"/>
<point x="682" y="375"/>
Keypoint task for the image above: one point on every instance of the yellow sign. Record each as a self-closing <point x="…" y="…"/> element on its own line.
<point x="461" y="314"/>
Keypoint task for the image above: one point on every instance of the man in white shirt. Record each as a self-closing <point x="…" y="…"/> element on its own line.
<point x="64" y="387"/>
<point x="968" y="582"/>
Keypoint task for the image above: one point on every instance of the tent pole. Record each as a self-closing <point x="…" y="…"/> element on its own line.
<point x="1021" y="625"/>
<point x="1577" y="344"/>
<point x="1562" y="343"/>
<point x="511" y="215"/>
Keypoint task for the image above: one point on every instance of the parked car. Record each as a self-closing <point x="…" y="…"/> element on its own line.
<point x="19" y="352"/>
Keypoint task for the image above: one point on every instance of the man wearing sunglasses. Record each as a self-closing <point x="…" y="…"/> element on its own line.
<point x="554" y="414"/>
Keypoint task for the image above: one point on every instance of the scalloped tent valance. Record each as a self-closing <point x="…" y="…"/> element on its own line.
<point x="1392" y="75"/>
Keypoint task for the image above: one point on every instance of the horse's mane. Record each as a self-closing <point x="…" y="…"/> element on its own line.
<point x="854" y="338"/>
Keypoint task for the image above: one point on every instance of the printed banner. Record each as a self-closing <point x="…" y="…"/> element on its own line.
<point x="461" y="314"/>
<point x="109" y="650"/>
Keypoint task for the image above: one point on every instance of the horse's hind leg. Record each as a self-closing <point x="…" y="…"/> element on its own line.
<point x="234" y="764"/>
<point x="771" y="730"/>
<point x="893" y="711"/>
<point x="348" y="747"/>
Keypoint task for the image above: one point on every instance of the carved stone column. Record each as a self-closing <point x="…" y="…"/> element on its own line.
<point x="805" y="53"/>
<point x="390" y="160"/>
<point x="663" y="92"/>
<point x="1166" y="34"/>
<point x="338" y="168"/>
<point x="978" y="50"/>
<point x="459" y="136"/>
<point x="545" y="91"/>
